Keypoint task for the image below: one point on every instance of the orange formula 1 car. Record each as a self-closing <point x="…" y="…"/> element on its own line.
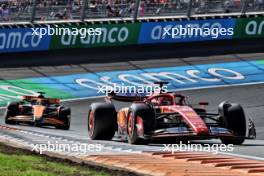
<point x="166" y="115"/>
<point x="39" y="111"/>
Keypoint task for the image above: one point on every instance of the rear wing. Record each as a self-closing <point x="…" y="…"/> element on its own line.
<point x="28" y="98"/>
<point x="126" y="97"/>
<point x="50" y="100"/>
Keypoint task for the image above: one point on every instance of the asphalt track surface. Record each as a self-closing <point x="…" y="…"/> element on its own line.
<point x="251" y="97"/>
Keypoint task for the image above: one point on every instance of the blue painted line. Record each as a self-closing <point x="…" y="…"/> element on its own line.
<point x="207" y="75"/>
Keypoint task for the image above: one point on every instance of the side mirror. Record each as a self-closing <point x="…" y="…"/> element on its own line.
<point x="203" y="103"/>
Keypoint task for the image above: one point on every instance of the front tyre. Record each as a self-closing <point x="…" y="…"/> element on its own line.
<point x="132" y="131"/>
<point x="11" y="111"/>
<point x="65" y="116"/>
<point x="140" y="120"/>
<point x="234" y="119"/>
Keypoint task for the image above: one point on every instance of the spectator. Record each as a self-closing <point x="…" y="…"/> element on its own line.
<point x="132" y="9"/>
<point x="71" y="9"/>
<point x="68" y="12"/>
<point x="259" y="5"/>
<point x="112" y="11"/>
<point x="5" y="13"/>
<point x="141" y="9"/>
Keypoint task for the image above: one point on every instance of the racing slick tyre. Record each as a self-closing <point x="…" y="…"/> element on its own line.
<point x="65" y="116"/>
<point x="233" y="118"/>
<point x="102" y="121"/>
<point x="135" y="132"/>
<point x="11" y="111"/>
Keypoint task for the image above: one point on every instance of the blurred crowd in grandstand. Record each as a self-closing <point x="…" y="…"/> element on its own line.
<point x="71" y="9"/>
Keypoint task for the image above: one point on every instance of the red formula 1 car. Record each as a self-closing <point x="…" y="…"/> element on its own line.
<point x="166" y="115"/>
<point x="39" y="111"/>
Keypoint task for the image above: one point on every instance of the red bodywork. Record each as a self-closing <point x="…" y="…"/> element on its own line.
<point x="167" y="103"/>
<point x="188" y="114"/>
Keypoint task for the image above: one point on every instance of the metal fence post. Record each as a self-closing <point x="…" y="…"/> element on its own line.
<point x="189" y="10"/>
<point x="244" y="7"/>
<point x="136" y="9"/>
<point x="84" y="6"/>
<point x="33" y="14"/>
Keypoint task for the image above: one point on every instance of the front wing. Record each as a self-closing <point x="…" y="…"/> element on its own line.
<point x="214" y="131"/>
<point x="44" y="120"/>
<point x="185" y="133"/>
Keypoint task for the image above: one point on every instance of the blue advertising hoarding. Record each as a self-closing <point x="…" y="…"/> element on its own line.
<point x="22" y="39"/>
<point x="154" y="32"/>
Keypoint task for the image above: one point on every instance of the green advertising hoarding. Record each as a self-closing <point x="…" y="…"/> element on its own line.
<point x="111" y="35"/>
<point x="249" y="28"/>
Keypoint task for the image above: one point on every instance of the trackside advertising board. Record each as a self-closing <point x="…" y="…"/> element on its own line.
<point x="19" y="40"/>
<point x="154" y="32"/>
<point x="24" y="39"/>
<point x="111" y="35"/>
<point x="249" y="28"/>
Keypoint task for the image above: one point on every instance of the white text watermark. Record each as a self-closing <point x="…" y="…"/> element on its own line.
<point x="193" y="31"/>
<point x="66" y="147"/>
<point x="214" y="148"/>
<point x="124" y="89"/>
<point x="60" y="31"/>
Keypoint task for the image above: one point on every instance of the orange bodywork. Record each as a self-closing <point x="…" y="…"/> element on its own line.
<point x="38" y="111"/>
<point x="50" y="100"/>
<point x="53" y="121"/>
<point x="121" y="117"/>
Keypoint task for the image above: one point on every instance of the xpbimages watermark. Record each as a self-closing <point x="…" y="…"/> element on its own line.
<point x="59" y="31"/>
<point x="194" y="31"/>
<point x="124" y="89"/>
<point x="214" y="148"/>
<point x="71" y="147"/>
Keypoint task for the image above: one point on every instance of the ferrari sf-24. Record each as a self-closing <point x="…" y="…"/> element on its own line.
<point x="140" y="119"/>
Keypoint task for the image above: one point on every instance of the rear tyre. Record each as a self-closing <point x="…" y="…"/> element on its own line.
<point x="11" y="111"/>
<point x="65" y="116"/>
<point x="234" y="119"/>
<point x="102" y="121"/>
<point x="146" y="113"/>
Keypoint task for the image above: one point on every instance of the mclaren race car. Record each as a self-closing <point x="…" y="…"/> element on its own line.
<point x="166" y="115"/>
<point x="39" y="111"/>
